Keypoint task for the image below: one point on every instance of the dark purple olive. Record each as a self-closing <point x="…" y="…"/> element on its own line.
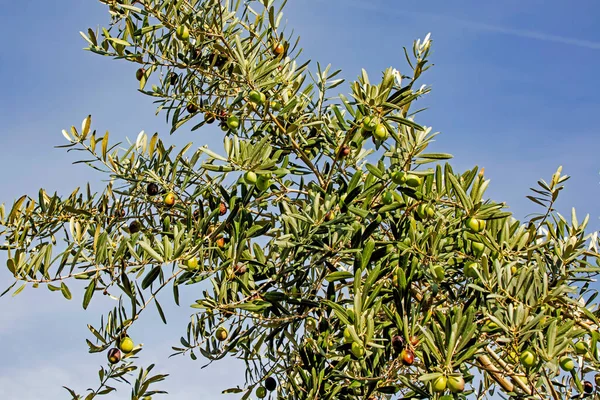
<point x="270" y="384"/>
<point x="114" y="355"/>
<point x="152" y="189"/>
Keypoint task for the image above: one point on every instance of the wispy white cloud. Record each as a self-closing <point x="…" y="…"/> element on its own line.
<point x="481" y="26"/>
<point x="546" y="37"/>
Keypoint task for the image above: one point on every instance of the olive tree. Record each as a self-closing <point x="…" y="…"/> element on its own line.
<point x="324" y="255"/>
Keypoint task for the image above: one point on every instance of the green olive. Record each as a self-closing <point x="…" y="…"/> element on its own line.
<point x="380" y="132"/>
<point x="233" y="122"/>
<point x="528" y="359"/>
<point x="439" y="384"/>
<point x="413" y="181"/>
<point x="476" y="225"/>
<point x="358" y="350"/>
<point x="250" y="177"/>
<point x="182" y="33"/>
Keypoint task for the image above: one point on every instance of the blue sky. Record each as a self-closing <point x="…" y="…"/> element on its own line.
<point x="515" y="90"/>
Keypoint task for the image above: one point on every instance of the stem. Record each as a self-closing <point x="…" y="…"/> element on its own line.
<point x="300" y="153"/>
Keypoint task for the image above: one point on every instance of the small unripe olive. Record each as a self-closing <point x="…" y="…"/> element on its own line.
<point x="477" y="248"/>
<point x="250" y="177"/>
<point x="399" y="177"/>
<point x="528" y="359"/>
<point x="380" y="132"/>
<point x="387" y="198"/>
<point x="348" y="336"/>
<point x="369" y="123"/>
<point x="233" y="122"/>
<point x="221" y="333"/>
<point x="182" y="33"/>
<point x="470" y="269"/>
<point x="581" y="347"/>
<point x="261" y="392"/>
<point x="357" y="349"/>
<point x="311" y="324"/>
<point x="263" y="182"/>
<point x="413" y="181"/>
<point x="255" y="97"/>
<point x="476" y="225"/>
<point x="439" y="384"/>
<point x="567" y="364"/>
<point x="192" y="263"/>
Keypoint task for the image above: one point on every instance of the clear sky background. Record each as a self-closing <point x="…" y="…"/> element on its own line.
<point x="515" y="90"/>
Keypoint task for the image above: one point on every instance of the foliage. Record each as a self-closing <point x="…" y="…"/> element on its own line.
<point x="328" y="260"/>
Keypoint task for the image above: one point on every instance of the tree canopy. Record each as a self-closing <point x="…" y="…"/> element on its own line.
<point x="325" y="253"/>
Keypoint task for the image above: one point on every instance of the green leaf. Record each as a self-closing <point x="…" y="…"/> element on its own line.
<point x="160" y="311"/>
<point x="254" y="306"/>
<point x="119" y="41"/>
<point x="407" y="122"/>
<point x="65" y="291"/>
<point x="460" y="193"/>
<point x="232" y="390"/>
<point x="151" y="277"/>
<point x="89" y="292"/>
<point x="339" y="275"/>
<point x="19" y="290"/>
<point x="212" y="154"/>
<point x="147" y="29"/>
<point x="367" y="251"/>
<point x="358" y="211"/>
<point x="151" y="251"/>
<point x="85" y="127"/>
<point x="436" y="156"/>
<point x="374" y="170"/>
<point x="16" y="208"/>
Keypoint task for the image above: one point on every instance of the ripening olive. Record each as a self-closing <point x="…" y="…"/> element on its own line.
<point x="456" y="384"/>
<point x="407" y="356"/>
<point x="126" y="345"/>
<point x="278" y="49"/>
<point x="169" y="199"/>
<point x="139" y="74"/>
<point x="114" y="355"/>
<point x="221" y="333"/>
